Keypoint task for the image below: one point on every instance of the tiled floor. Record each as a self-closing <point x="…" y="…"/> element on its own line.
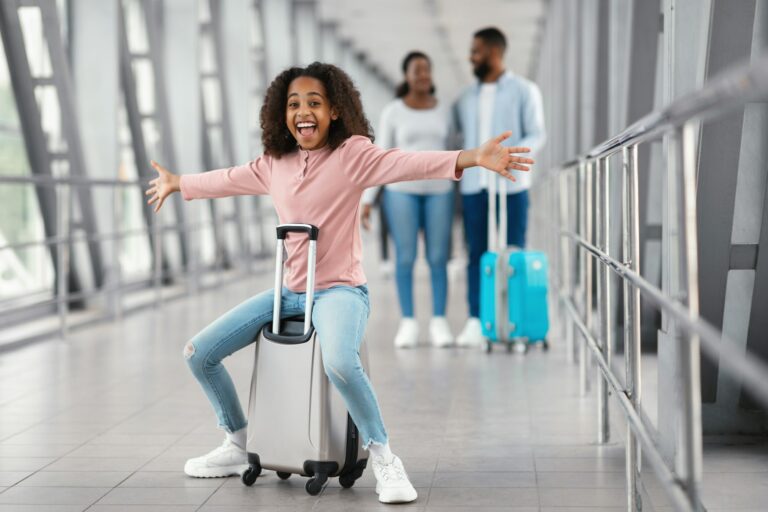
<point x="104" y="421"/>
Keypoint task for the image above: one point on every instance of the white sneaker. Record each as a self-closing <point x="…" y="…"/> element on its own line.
<point x="472" y="334"/>
<point x="387" y="269"/>
<point x="226" y="460"/>
<point x="407" y="334"/>
<point x="392" y="484"/>
<point x="440" y="332"/>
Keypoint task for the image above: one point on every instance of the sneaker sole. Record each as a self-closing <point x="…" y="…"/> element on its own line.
<point x="221" y="472"/>
<point x="398" y="496"/>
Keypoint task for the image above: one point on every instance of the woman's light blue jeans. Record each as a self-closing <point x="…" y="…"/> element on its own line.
<point x="339" y="314"/>
<point x="406" y="215"/>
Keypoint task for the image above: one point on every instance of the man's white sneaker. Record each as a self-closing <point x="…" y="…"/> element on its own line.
<point x="440" y="332"/>
<point x="472" y="334"/>
<point x="392" y="484"/>
<point x="226" y="460"/>
<point x="407" y="334"/>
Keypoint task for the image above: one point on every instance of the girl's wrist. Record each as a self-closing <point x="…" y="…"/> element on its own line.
<point x="467" y="158"/>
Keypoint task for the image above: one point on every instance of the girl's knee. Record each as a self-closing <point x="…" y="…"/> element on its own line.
<point x="193" y="358"/>
<point x="341" y="371"/>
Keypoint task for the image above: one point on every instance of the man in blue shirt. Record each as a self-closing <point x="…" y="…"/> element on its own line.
<point x="498" y="102"/>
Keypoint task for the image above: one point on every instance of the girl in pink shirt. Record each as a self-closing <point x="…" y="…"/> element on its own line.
<point x="318" y="158"/>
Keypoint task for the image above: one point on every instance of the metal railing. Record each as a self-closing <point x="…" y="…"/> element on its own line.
<point x="567" y="193"/>
<point x="65" y="237"/>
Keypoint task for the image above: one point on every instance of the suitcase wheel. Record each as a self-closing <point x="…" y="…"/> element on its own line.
<point x="282" y="475"/>
<point x="316" y="484"/>
<point x="545" y="345"/>
<point x="348" y="480"/>
<point x="488" y="346"/>
<point x="250" y="475"/>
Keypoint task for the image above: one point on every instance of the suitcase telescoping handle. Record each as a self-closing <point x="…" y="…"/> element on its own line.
<point x="282" y="231"/>
<point x="497" y="236"/>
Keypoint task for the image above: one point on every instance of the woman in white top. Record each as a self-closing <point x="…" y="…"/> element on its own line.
<point x="416" y="122"/>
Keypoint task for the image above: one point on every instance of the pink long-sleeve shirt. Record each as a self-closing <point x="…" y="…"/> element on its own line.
<point x="323" y="187"/>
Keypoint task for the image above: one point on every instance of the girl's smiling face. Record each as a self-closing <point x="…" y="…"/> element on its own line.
<point x="308" y="113"/>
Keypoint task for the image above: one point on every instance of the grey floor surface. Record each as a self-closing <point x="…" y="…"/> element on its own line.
<point x="105" y="420"/>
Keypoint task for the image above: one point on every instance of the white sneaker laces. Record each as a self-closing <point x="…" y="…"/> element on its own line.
<point x="392" y="471"/>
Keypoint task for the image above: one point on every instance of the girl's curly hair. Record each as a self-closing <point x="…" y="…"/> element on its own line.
<point x="342" y="95"/>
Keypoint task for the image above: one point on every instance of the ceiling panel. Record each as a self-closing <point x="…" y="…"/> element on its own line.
<point x="385" y="30"/>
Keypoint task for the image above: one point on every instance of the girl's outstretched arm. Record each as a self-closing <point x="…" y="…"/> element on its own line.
<point x="368" y="165"/>
<point x="495" y="157"/>
<point x="163" y="186"/>
<point x="252" y="178"/>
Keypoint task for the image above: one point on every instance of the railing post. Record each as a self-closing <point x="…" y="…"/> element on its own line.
<point x="602" y="218"/>
<point x="565" y="263"/>
<point x="585" y="200"/>
<point x="630" y="235"/>
<point x="116" y="274"/>
<point x="63" y="249"/>
<point x="688" y="343"/>
<point x="581" y="229"/>
<point x="157" y="270"/>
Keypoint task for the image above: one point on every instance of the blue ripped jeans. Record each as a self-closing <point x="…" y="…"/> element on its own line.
<point x="339" y="314"/>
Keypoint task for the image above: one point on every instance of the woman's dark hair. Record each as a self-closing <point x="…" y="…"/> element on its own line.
<point x="342" y="95"/>
<point x="403" y="88"/>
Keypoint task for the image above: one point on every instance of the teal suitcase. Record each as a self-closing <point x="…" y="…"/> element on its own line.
<point x="493" y="296"/>
<point x="527" y="288"/>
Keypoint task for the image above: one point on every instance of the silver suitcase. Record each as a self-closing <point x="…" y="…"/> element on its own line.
<point x="297" y="420"/>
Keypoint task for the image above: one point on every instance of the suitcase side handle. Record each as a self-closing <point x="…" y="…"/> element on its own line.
<point x="282" y="230"/>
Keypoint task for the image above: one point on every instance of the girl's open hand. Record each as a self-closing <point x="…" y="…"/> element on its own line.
<point x="161" y="187"/>
<point x="501" y="159"/>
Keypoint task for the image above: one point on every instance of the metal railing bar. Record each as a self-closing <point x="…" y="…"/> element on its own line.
<point x="133" y="285"/>
<point x="730" y="89"/>
<point x="751" y="372"/>
<point x="106" y="237"/>
<point x="671" y="483"/>
<point x="70" y="180"/>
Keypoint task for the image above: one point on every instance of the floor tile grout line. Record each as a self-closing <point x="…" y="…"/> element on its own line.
<point x="215" y="490"/>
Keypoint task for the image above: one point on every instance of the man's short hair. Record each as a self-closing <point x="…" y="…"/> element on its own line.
<point x="492" y="37"/>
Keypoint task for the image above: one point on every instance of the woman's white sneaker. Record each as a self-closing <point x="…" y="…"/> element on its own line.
<point x="407" y="334"/>
<point x="440" y="332"/>
<point x="226" y="460"/>
<point x="392" y="484"/>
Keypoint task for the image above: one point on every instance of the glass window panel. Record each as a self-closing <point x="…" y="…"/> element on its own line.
<point x="204" y="11"/>
<point x="28" y="270"/>
<point x="257" y="36"/>
<point x="50" y="117"/>
<point x="145" y="85"/>
<point x="217" y="143"/>
<point x="152" y="141"/>
<point x="135" y="252"/>
<point x="135" y="26"/>
<point x="34" y="42"/>
<point x="212" y="101"/>
<point x="207" y="54"/>
<point x="203" y="233"/>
